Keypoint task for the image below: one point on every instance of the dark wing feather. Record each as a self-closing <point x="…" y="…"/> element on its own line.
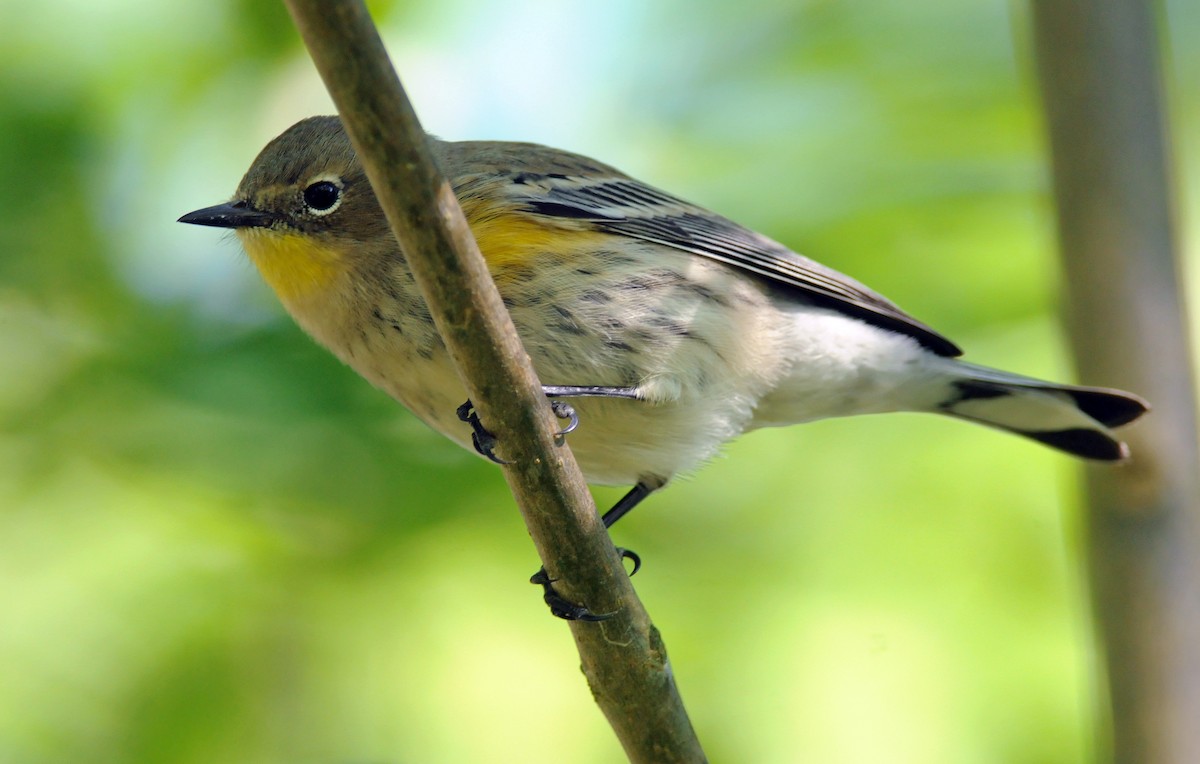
<point x="625" y="207"/>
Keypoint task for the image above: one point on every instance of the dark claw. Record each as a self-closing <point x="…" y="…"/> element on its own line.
<point x="559" y="605"/>
<point x="484" y="441"/>
<point x="567" y="610"/>
<point x="565" y="411"/>
<point x="466" y="411"/>
<point x="629" y="554"/>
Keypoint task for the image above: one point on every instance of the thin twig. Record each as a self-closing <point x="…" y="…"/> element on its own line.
<point x="624" y="657"/>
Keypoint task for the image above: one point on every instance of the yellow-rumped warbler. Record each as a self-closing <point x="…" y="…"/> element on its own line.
<point x="674" y="328"/>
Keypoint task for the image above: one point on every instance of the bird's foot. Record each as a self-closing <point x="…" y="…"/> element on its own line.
<point x="483" y="441"/>
<point x="563" y="608"/>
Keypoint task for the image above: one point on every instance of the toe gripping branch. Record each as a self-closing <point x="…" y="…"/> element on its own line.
<point x="484" y="441"/>
<point x="485" y="444"/>
<point x="562" y="607"/>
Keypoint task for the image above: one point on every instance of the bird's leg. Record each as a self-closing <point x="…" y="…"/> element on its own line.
<point x="567" y="411"/>
<point x="588" y="391"/>
<point x="630" y="500"/>
<point x="485" y="442"/>
<point x="564" y="608"/>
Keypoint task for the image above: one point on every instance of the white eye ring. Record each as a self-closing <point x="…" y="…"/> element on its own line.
<point x="323" y="194"/>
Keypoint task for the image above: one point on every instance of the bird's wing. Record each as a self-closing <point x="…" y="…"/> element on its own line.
<point x="622" y="206"/>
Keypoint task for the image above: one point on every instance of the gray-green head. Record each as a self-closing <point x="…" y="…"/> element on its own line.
<point x="306" y="180"/>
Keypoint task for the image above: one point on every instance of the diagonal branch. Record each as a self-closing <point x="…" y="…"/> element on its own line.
<point x="624" y="658"/>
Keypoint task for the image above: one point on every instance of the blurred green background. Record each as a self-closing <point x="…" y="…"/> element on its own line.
<point x="218" y="544"/>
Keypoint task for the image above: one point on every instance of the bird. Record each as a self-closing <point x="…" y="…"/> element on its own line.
<point x="671" y="329"/>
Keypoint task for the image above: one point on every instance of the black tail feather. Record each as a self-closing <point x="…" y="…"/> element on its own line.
<point x="1089" y="444"/>
<point x="1112" y="408"/>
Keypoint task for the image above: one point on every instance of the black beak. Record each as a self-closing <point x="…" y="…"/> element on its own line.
<point x="230" y="215"/>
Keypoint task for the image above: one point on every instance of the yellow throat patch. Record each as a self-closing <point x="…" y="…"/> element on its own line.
<point x="293" y="265"/>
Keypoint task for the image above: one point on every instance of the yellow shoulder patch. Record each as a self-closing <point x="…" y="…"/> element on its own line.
<point x="509" y="240"/>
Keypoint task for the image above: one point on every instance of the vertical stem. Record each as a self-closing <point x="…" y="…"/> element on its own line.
<point x="1098" y="63"/>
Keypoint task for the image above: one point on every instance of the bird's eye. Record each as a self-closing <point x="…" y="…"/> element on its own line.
<point x="322" y="197"/>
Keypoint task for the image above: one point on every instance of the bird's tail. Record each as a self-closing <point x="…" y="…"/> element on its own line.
<point x="1077" y="420"/>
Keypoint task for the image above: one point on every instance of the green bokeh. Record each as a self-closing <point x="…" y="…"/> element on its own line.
<point x="218" y="544"/>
